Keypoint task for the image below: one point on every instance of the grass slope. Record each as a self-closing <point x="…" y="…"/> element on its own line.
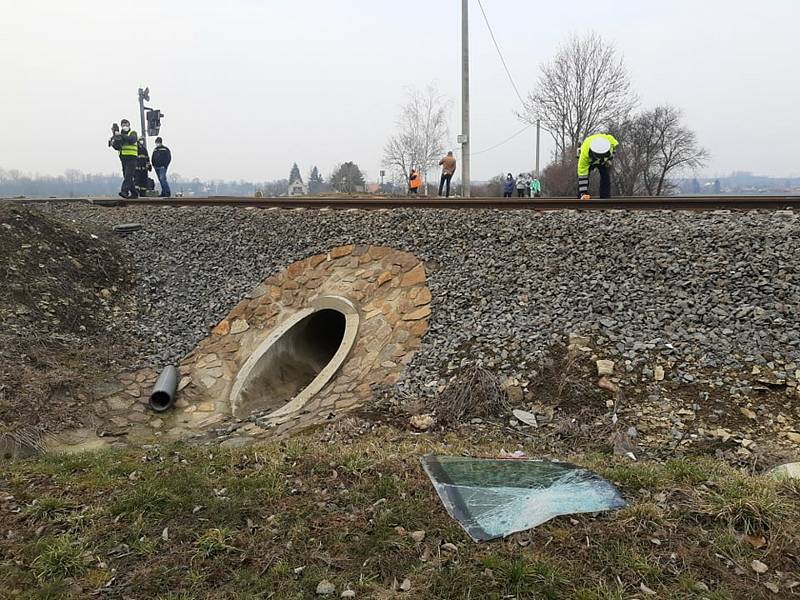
<point x="274" y="521"/>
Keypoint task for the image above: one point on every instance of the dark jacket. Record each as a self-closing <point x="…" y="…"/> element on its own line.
<point x="161" y="157"/>
<point x="143" y="160"/>
<point x="509" y="185"/>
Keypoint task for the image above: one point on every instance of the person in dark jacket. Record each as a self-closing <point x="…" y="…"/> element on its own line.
<point x="123" y="140"/>
<point x="508" y="186"/>
<point x="161" y="159"/>
<point x="142" y="167"/>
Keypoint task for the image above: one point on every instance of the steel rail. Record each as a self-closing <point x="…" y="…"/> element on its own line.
<point x="697" y="203"/>
<point x="693" y="203"/>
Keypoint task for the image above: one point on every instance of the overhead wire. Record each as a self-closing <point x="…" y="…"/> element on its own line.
<point x="500" y="53"/>
<point x="510" y="78"/>
<point x="505" y="141"/>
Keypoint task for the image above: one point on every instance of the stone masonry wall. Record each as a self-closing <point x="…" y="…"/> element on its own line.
<point x="387" y="286"/>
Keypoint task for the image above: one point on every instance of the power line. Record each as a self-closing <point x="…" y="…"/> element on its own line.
<point x="510" y="78"/>
<point x="500" y="53"/>
<point x="505" y="141"/>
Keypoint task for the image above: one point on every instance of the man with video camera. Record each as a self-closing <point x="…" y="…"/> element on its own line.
<point x="123" y="139"/>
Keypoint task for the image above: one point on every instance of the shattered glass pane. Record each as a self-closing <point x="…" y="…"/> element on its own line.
<point x="495" y="498"/>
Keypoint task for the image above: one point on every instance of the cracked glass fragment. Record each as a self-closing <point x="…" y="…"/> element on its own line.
<point x="493" y="498"/>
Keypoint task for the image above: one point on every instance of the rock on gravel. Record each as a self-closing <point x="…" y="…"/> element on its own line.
<point x="325" y="588"/>
<point x="708" y="292"/>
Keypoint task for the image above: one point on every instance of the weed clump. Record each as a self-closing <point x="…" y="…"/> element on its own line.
<point x="61" y="556"/>
<point x="475" y="392"/>
<point x="745" y="504"/>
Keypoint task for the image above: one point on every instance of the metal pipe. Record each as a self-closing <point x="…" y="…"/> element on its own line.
<point x="163" y="396"/>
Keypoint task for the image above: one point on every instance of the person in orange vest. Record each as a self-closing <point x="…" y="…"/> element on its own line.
<point x="414" y="181"/>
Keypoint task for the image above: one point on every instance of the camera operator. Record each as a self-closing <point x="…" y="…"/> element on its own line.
<point x="123" y="139"/>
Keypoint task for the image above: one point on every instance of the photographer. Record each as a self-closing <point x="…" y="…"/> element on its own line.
<point x="123" y="139"/>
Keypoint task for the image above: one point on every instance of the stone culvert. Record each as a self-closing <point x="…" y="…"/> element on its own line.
<point x="307" y="343"/>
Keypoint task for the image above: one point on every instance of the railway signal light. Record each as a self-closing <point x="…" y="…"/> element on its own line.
<point x="154" y="117"/>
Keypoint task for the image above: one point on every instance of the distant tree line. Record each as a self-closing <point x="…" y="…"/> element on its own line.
<point x="75" y="183"/>
<point x="346" y="177"/>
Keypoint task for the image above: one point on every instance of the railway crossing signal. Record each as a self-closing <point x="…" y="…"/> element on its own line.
<point x="154" y="116"/>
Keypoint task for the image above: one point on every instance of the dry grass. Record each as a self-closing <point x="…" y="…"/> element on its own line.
<point x="273" y="521"/>
<point x="475" y="392"/>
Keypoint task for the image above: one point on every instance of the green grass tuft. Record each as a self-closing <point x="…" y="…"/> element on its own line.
<point x="746" y="504"/>
<point x="61" y="556"/>
<point x="47" y="508"/>
<point x="213" y="542"/>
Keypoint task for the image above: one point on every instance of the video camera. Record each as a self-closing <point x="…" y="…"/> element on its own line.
<point x="116" y="140"/>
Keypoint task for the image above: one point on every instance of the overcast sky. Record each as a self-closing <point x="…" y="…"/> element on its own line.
<point x="248" y="87"/>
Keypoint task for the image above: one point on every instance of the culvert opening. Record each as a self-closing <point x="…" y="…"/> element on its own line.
<point x="160" y="401"/>
<point x="297" y="361"/>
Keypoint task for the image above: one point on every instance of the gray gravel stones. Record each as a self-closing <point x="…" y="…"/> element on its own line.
<point x="711" y="291"/>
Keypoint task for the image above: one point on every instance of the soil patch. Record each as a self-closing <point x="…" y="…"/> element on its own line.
<point x="65" y="298"/>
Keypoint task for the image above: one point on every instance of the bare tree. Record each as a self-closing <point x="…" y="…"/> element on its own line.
<point x="583" y="89"/>
<point x="655" y="145"/>
<point x="422" y="133"/>
<point x="632" y="155"/>
<point x="675" y="148"/>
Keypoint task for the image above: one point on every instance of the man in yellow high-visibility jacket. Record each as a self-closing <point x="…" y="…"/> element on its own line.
<point x="597" y="151"/>
<point x="124" y="140"/>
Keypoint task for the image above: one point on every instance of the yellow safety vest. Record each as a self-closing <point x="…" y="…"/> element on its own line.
<point x="129" y="149"/>
<point x="585" y="161"/>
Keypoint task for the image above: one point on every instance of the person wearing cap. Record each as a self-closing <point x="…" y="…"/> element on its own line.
<point x="124" y="140"/>
<point x="597" y="151"/>
<point x="161" y="158"/>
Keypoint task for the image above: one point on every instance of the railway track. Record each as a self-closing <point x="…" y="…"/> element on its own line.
<point x="693" y="203"/>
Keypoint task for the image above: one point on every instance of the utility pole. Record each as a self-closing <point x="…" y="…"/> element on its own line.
<point x="538" y="139"/>
<point x="464" y="137"/>
<point x="144" y="94"/>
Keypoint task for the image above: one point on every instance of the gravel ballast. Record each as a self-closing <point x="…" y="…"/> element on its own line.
<point x="717" y="293"/>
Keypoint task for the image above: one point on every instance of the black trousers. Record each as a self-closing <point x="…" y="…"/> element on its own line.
<point x="129" y="176"/>
<point x="446" y="177"/>
<point x="605" y="180"/>
<point x="520" y="192"/>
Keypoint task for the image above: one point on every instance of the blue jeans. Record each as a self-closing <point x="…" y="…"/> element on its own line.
<point x="162" y="179"/>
